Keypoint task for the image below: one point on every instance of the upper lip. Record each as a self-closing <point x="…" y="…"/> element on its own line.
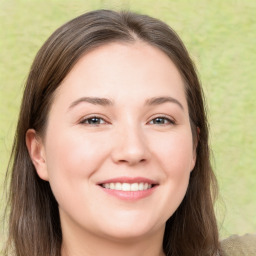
<point x="129" y="180"/>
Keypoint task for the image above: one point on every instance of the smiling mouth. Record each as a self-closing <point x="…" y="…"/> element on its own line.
<point x="141" y="186"/>
<point x="129" y="188"/>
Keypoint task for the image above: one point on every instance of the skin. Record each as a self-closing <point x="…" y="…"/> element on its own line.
<point x="127" y="140"/>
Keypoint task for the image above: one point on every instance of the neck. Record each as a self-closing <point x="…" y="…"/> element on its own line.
<point x="104" y="247"/>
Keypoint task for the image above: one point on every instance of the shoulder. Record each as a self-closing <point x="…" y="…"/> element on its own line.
<point x="239" y="245"/>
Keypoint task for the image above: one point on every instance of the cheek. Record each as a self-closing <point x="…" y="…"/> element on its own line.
<point x="175" y="153"/>
<point x="73" y="154"/>
<point x="71" y="160"/>
<point x="175" y="157"/>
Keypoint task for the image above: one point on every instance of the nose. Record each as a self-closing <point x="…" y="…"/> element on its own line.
<point x="130" y="146"/>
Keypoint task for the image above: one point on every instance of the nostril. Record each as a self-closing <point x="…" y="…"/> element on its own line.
<point x="132" y="161"/>
<point x="131" y="153"/>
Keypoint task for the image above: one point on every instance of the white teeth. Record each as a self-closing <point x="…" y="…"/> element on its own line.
<point x="112" y="186"/>
<point x="141" y="186"/>
<point x="134" y="187"/>
<point x="118" y="186"/>
<point x="127" y="186"/>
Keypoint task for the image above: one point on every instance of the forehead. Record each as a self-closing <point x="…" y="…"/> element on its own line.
<point x="123" y="70"/>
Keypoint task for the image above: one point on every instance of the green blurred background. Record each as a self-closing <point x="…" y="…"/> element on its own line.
<point x="221" y="38"/>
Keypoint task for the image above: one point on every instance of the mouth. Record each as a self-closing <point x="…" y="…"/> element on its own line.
<point x="129" y="188"/>
<point x="141" y="186"/>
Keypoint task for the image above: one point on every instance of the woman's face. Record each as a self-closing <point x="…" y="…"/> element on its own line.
<point x="118" y="148"/>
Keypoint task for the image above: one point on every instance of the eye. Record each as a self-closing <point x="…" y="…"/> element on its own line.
<point x="94" y="120"/>
<point x="161" y="120"/>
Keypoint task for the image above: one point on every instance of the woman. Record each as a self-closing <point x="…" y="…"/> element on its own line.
<point x="111" y="153"/>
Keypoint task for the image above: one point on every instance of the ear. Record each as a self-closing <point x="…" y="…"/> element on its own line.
<point x="37" y="153"/>
<point x="196" y="140"/>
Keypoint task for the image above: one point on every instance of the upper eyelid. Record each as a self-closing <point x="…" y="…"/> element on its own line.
<point x="106" y="120"/>
<point x="172" y="119"/>
<point x="84" y="118"/>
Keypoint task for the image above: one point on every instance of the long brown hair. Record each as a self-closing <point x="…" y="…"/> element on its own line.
<point x="34" y="224"/>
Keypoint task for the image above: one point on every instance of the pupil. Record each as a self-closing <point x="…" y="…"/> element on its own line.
<point x="94" y="120"/>
<point x="159" y="120"/>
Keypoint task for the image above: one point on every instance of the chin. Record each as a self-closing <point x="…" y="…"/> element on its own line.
<point x="131" y="230"/>
<point x="127" y="235"/>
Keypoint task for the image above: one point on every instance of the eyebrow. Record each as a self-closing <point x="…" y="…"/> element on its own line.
<point x="162" y="100"/>
<point x="108" y="102"/>
<point x="92" y="100"/>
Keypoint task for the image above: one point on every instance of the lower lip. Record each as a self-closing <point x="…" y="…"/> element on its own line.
<point x="129" y="195"/>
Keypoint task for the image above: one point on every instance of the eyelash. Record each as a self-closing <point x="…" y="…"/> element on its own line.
<point x="96" y="121"/>
<point x="86" y="121"/>
<point x="167" y="120"/>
